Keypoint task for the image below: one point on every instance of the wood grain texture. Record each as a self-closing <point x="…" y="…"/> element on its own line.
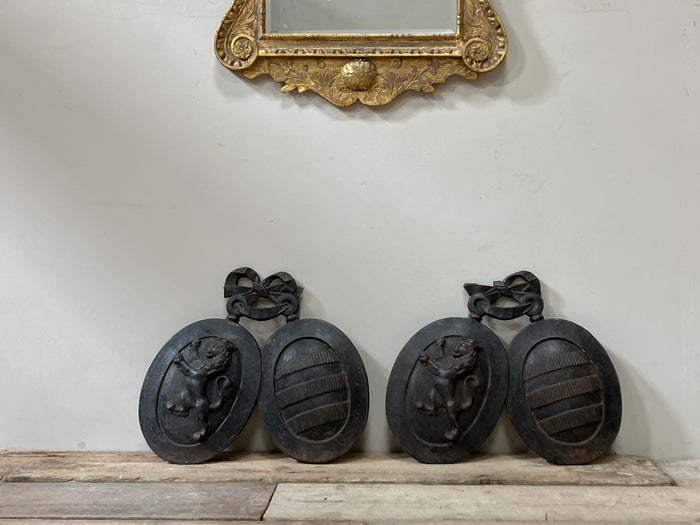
<point x="685" y="472"/>
<point x="353" y="468"/>
<point x="12" y="521"/>
<point x="177" y="501"/>
<point x="4" y="464"/>
<point x="374" y="502"/>
<point x="266" y="522"/>
<point x="490" y="522"/>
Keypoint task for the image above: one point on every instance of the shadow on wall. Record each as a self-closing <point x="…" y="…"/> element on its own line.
<point x="525" y="77"/>
<point x="636" y="423"/>
<point x="377" y="429"/>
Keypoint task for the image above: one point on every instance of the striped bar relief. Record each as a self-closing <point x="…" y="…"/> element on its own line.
<point x="311" y="391"/>
<point x="563" y="391"/>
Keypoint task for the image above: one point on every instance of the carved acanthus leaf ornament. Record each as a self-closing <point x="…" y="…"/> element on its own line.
<point x="371" y="68"/>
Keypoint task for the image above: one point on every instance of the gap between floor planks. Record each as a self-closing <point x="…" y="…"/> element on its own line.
<point x="441" y="491"/>
<point x="524" y="469"/>
<point x="366" y="503"/>
<point x="684" y="472"/>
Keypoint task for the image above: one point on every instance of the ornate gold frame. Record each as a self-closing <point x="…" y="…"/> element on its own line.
<point x="371" y="68"/>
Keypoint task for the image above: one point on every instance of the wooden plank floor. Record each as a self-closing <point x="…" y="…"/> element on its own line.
<point x="116" y="488"/>
<point x="368" y="502"/>
<point x="208" y="501"/>
<point x="685" y="473"/>
<point x="523" y="469"/>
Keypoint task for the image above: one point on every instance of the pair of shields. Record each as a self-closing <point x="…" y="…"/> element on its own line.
<point x="450" y="382"/>
<point x="309" y="380"/>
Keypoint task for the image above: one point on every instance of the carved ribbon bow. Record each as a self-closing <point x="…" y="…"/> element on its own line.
<point x="522" y="288"/>
<point x="261" y="300"/>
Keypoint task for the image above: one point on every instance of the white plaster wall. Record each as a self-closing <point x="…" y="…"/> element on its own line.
<point x="136" y="172"/>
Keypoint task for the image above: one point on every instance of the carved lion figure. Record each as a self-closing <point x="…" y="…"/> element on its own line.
<point x="450" y="390"/>
<point x="202" y="361"/>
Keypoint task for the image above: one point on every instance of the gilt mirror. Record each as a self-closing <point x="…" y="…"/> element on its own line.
<point x="366" y="50"/>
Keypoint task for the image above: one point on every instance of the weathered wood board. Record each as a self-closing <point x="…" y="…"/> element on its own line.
<point x="353" y="468"/>
<point x="266" y="522"/>
<point x="4" y="464"/>
<point x="178" y="501"/>
<point x="487" y="522"/>
<point x="236" y="522"/>
<point x="371" y="502"/>
<point x="685" y="472"/>
<point x="55" y="521"/>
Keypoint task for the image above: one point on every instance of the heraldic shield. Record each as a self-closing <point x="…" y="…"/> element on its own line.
<point x="564" y="394"/>
<point x="203" y="385"/>
<point x="564" y="398"/>
<point x="200" y="391"/>
<point x="314" y="396"/>
<point x="447" y="389"/>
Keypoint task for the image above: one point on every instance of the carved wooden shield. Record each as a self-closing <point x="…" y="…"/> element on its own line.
<point x="564" y="396"/>
<point x="446" y="390"/>
<point x="314" y="396"/>
<point x="200" y="391"/>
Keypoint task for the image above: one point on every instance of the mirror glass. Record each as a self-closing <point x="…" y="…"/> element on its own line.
<point x="361" y="16"/>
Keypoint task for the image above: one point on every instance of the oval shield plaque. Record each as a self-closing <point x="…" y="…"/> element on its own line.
<point x="314" y="396"/>
<point x="200" y="391"/>
<point x="446" y="390"/>
<point x="564" y="396"/>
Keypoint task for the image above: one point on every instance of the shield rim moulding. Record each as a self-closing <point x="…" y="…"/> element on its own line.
<point x="481" y="423"/>
<point x="357" y="385"/>
<point x="521" y="415"/>
<point x="373" y="68"/>
<point x="237" y="415"/>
